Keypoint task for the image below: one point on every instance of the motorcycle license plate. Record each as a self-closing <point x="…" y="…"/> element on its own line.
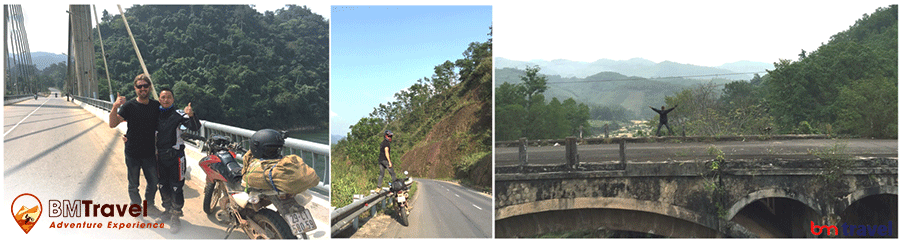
<point x="301" y="222"/>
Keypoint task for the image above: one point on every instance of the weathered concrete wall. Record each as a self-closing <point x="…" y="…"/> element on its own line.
<point x="705" y="194"/>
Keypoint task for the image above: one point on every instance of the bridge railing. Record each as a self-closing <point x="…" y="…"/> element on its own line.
<point x="15" y="98"/>
<point x="315" y="154"/>
<point x="573" y="159"/>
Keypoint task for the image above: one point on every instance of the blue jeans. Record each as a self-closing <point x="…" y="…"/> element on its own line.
<point x="135" y="166"/>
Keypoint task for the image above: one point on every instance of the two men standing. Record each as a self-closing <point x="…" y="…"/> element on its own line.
<point x="153" y="145"/>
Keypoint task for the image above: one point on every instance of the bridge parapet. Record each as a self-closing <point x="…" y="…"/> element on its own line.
<point x="707" y="194"/>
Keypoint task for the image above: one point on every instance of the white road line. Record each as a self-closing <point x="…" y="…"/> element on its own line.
<point x="473" y="205"/>
<point x="457" y="195"/>
<point x="26" y="117"/>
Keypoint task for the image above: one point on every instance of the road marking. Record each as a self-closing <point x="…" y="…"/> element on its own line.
<point x="473" y="205"/>
<point x="26" y="117"/>
<point x="457" y="195"/>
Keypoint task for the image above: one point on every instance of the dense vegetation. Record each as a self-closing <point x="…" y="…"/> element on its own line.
<point x="845" y="87"/>
<point x="236" y="65"/>
<point x="523" y="112"/>
<point x="441" y="125"/>
<point x="51" y="76"/>
<point x="849" y="84"/>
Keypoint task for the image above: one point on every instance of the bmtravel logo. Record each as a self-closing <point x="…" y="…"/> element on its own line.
<point x="27" y="208"/>
<point x="28" y="212"/>
<point x="853" y="230"/>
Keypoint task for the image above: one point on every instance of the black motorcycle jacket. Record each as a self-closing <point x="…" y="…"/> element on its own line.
<point x="168" y="133"/>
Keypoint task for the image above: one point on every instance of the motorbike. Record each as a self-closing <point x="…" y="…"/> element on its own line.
<point x="244" y="207"/>
<point x="399" y="191"/>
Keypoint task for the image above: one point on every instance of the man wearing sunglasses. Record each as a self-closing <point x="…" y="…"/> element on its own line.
<point x="141" y="115"/>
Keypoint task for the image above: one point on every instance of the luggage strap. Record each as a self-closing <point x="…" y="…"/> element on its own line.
<point x="271" y="180"/>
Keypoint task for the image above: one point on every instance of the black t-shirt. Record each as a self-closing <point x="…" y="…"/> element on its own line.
<point x="142" y="120"/>
<point x="381" y="155"/>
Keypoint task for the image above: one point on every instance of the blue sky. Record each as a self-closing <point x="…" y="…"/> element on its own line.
<point x="376" y="51"/>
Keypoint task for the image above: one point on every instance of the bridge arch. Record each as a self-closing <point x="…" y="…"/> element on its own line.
<point x="772" y="193"/>
<point x="862" y="193"/>
<point x="652" y="217"/>
<point x="875" y="206"/>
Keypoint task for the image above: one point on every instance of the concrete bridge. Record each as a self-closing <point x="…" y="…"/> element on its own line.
<point x="751" y="196"/>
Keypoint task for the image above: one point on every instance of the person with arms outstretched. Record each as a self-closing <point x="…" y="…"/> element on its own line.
<point x="663" y="118"/>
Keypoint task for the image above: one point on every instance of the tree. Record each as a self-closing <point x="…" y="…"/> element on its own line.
<point x="868" y="108"/>
<point x="534" y="82"/>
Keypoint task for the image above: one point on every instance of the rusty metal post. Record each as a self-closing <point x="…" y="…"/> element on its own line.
<point x="571" y="152"/>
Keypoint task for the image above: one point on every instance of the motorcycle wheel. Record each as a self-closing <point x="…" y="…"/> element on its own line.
<point x="210" y="192"/>
<point x="404" y="216"/>
<point x="273" y="224"/>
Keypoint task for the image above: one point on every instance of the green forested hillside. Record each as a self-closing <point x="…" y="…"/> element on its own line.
<point x="237" y="66"/>
<point x="848" y="85"/>
<point x="441" y="125"/>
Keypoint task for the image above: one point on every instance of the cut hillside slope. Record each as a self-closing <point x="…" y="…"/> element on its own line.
<point x="451" y="144"/>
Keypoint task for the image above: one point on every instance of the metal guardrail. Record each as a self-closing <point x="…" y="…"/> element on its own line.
<point x="317" y="154"/>
<point x="343" y="216"/>
<point x="15" y="98"/>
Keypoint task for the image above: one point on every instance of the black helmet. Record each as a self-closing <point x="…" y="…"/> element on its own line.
<point x="266" y="144"/>
<point x="388" y="133"/>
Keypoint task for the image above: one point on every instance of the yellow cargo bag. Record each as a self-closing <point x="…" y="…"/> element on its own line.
<point x="288" y="174"/>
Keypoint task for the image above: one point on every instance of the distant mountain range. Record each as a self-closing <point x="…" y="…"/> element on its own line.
<point x="42" y="60"/>
<point x="634" y="84"/>
<point x="638" y="67"/>
<point x="336" y="137"/>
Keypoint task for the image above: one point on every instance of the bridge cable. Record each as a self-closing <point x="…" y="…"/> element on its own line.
<point x="103" y="52"/>
<point x="138" y="51"/>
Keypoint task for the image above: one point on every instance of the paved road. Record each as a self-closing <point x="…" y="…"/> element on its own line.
<point x="640" y="152"/>
<point x="440" y="210"/>
<point x="56" y="150"/>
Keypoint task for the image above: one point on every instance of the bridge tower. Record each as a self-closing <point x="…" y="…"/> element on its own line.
<point x="19" y="71"/>
<point x="81" y="78"/>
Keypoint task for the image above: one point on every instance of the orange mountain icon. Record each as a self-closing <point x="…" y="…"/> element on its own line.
<point x="27" y="217"/>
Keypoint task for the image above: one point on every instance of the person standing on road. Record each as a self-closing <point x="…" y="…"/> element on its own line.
<point x="384" y="158"/>
<point x="663" y="118"/>
<point x="141" y="114"/>
<point x="170" y="155"/>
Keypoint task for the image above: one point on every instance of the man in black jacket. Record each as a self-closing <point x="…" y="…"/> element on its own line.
<point x="663" y="118"/>
<point x="170" y="154"/>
